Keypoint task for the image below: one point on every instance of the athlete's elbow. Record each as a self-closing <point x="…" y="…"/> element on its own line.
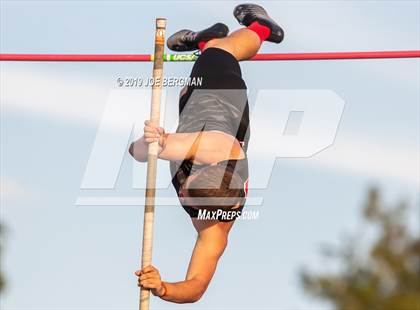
<point x="195" y="299"/>
<point x="189" y="299"/>
<point x="199" y="292"/>
<point x="197" y="296"/>
<point x="131" y="149"/>
<point x="139" y="157"/>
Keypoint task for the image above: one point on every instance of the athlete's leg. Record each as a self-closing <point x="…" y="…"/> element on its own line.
<point x="242" y="44"/>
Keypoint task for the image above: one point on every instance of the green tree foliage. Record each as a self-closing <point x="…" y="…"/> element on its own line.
<point x="385" y="277"/>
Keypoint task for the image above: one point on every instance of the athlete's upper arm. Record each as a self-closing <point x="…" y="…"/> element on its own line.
<point x="208" y="249"/>
<point x="205" y="147"/>
<point x="179" y="146"/>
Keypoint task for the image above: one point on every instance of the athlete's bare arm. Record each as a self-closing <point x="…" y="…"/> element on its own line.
<point x="211" y="242"/>
<point x="205" y="147"/>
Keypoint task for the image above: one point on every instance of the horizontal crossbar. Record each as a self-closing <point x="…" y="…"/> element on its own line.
<point x="193" y="57"/>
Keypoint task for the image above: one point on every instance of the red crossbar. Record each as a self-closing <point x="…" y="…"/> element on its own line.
<point x="338" y="55"/>
<point x="72" y="57"/>
<point x="259" y="57"/>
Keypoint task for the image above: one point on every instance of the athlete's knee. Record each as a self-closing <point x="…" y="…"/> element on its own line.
<point x="227" y="47"/>
<point x="212" y="43"/>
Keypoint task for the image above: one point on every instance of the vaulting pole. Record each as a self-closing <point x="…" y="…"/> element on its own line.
<point x="149" y="207"/>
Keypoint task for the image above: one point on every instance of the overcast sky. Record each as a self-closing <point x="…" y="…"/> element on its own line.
<point x="60" y="255"/>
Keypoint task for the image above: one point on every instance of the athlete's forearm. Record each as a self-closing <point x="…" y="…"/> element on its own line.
<point x="187" y="291"/>
<point x="171" y="147"/>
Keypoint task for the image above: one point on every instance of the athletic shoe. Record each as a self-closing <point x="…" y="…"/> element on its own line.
<point x="187" y="40"/>
<point x="246" y="14"/>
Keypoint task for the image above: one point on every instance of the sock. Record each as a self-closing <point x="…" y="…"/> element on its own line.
<point x="201" y="45"/>
<point x="262" y="31"/>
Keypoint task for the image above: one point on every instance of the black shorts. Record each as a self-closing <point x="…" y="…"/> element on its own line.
<point x="217" y="69"/>
<point x="215" y="62"/>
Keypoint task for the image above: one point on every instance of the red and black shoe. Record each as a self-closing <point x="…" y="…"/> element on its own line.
<point x="246" y="14"/>
<point x="187" y="40"/>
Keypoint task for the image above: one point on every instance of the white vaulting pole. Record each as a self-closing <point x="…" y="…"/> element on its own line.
<point x="149" y="208"/>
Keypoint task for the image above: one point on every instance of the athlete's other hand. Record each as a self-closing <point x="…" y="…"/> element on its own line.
<point x="153" y="133"/>
<point x="149" y="278"/>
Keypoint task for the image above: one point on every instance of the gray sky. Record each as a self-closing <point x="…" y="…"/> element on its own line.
<point x="61" y="256"/>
